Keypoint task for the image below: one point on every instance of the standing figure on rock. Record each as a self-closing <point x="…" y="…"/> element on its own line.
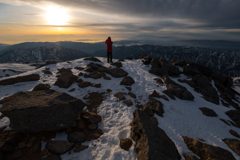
<point x="109" y="49"/>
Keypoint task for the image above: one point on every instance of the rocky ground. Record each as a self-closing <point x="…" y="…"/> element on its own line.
<point x="89" y="109"/>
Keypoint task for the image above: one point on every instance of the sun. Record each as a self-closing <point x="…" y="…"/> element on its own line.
<point x="56" y="15"/>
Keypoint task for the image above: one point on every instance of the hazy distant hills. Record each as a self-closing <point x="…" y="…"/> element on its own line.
<point x="3" y="46"/>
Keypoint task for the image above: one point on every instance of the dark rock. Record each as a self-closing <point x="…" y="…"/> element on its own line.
<point x="147" y="110"/>
<point x="206" y="151"/>
<point x="208" y="112"/>
<point x="71" y="90"/>
<point x="190" y="157"/>
<point x="158" y="72"/>
<point x="234" y="144"/>
<point x="128" y="88"/>
<point x="109" y="90"/>
<point x="150" y="138"/>
<point x="92" y="59"/>
<point x="96" y="75"/>
<point x="84" y="84"/>
<point x="120" y="96"/>
<point x="125" y="143"/>
<point x="204" y="70"/>
<point x="127" y="81"/>
<point x="97" y="85"/>
<point x="92" y="127"/>
<point x="107" y="78"/>
<point x="159" y="80"/>
<point x="171" y="69"/>
<point x="94" y="100"/>
<point x="132" y="95"/>
<point x="121" y="60"/>
<point x="79" y="68"/>
<point x="181" y="63"/>
<point x="190" y="71"/>
<point x="93" y="136"/>
<point x="40" y="87"/>
<point x="129" y="58"/>
<point x="155" y="94"/>
<point x="155" y="64"/>
<point x="80" y="74"/>
<point x="51" y="62"/>
<point x="224" y="121"/>
<point x="59" y="147"/>
<point x="80" y="125"/>
<point x="218" y="76"/>
<point x="36" y="110"/>
<point x="139" y="106"/>
<point x="234" y="115"/>
<point x="169" y="94"/>
<point x="76" y="137"/>
<point x="154" y="120"/>
<point x="91" y="117"/>
<point x="35" y="148"/>
<point x="10" y="81"/>
<point x="47" y="72"/>
<point x="128" y="102"/>
<point x="80" y="148"/>
<point x="156" y="106"/>
<point x="234" y="133"/>
<point x="115" y="72"/>
<point x="65" y="70"/>
<point x="118" y="64"/>
<point x="65" y="80"/>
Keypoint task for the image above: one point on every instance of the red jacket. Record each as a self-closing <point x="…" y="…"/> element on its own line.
<point x="109" y="44"/>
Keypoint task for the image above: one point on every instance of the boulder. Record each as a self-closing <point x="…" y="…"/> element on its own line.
<point x="159" y="80"/>
<point x="79" y="68"/>
<point x="120" y="96"/>
<point x="41" y="86"/>
<point x="96" y="75"/>
<point x="80" y="148"/>
<point x="118" y="64"/>
<point x="152" y="143"/>
<point x="127" y="81"/>
<point x="190" y="71"/>
<point x="10" y="81"/>
<point x="128" y="102"/>
<point x="59" y="147"/>
<point x="128" y="88"/>
<point x="156" y="106"/>
<point x="169" y="94"/>
<point x="154" y="120"/>
<point x="155" y="64"/>
<point x="204" y="70"/>
<point x="125" y="143"/>
<point x="181" y="63"/>
<point x="147" y="110"/>
<point x="206" y="151"/>
<point x="115" y="72"/>
<point x="132" y="95"/>
<point x="97" y="85"/>
<point x="47" y="71"/>
<point x="84" y="84"/>
<point x="234" y="115"/>
<point x="218" y="76"/>
<point x="234" y="133"/>
<point x="35" y="111"/>
<point x="91" y="117"/>
<point x="234" y="144"/>
<point x="92" y="59"/>
<point x="51" y="62"/>
<point x="171" y="69"/>
<point x="76" y="137"/>
<point x="129" y="58"/>
<point x="66" y="78"/>
<point x="208" y="112"/>
<point x="92" y="127"/>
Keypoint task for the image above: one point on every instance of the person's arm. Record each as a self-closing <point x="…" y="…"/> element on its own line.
<point x="106" y="41"/>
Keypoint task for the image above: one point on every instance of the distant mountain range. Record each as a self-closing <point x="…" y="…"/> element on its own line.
<point x="226" y="62"/>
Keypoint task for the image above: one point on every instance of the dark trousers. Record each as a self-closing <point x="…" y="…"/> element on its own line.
<point x="109" y="56"/>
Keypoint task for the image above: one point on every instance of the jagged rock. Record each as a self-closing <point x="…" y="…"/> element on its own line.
<point x="107" y="78"/>
<point x="234" y="133"/>
<point x="79" y="68"/>
<point x="91" y="117"/>
<point x="190" y="71"/>
<point x="63" y="70"/>
<point x="148" y="110"/>
<point x="158" y="72"/>
<point x="84" y="84"/>
<point x="181" y="63"/>
<point x="66" y="78"/>
<point x="41" y="87"/>
<point x="94" y="100"/>
<point x="159" y="80"/>
<point x="92" y="59"/>
<point x="204" y="70"/>
<point x="97" y="85"/>
<point x="155" y="94"/>
<point x="190" y="157"/>
<point x="169" y="94"/>
<point x="147" y="59"/>
<point x="208" y="112"/>
<point x="115" y="72"/>
<point x="139" y="106"/>
<point x="47" y="71"/>
<point x="59" y="147"/>
<point x="156" y="106"/>
<point x="71" y="90"/>
<point x="234" y="115"/>
<point x="120" y="96"/>
<point x="125" y="143"/>
<point x="128" y="88"/>
<point x="132" y="95"/>
<point x="96" y="75"/>
<point x="127" y="81"/>
<point x="171" y="69"/>
<point x="128" y="102"/>
<point x="206" y="151"/>
<point x="155" y="63"/>
<point x="118" y="64"/>
<point x="80" y="148"/>
<point x="51" y="62"/>
<point x="36" y="110"/>
<point x="234" y="144"/>
<point x="10" y="81"/>
<point x="76" y="137"/>
<point x="80" y="74"/>
<point x="150" y="138"/>
<point x="92" y="127"/>
<point x="218" y="76"/>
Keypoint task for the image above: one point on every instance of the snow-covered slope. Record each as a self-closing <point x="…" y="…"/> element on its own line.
<point x="181" y="117"/>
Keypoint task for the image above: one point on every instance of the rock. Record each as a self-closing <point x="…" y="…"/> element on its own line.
<point x="91" y="117"/>
<point x="107" y="78"/>
<point x="132" y="95"/>
<point x="218" y="76"/>
<point x="79" y="68"/>
<point x="76" y="137"/>
<point x="92" y="127"/>
<point x="96" y="75"/>
<point x="36" y="110"/>
<point x="80" y="148"/>
<point x="128" y="88"/>
<point x="234" y="144"/>
<point x="80" y="74"/>
<point x="69" y="130"/>
<point x="171" y="69"/>
<point x="118" y="64"/>
<point x="148" y="110"/>
<point x="190" y="157"/>
<point x="92" y="59"/>
<point x="41" y="87"/>
<point x="115" y="72"/>
<point x="139" y="106"/>
<point x="35" y="148"/>
<point x="155" y="94"/>
<point x="206" y="151"/>
<point x="16" y="154"/>
<point x="128" y="102"/>
<point x="51" y="62"/>
<point x="97" y="85"/>
<point x="208" y="112"/>
<point x="71" y="90"/>
<point x="204" y="70"/>
<point x="94" y="100"/>
<point x="155" y="63"/>
<point x="224" y="121"/>
<point x="159" y="80"/>
<point x="190" y="71"/>
<point x="44" y="152"/>
<point x="129" y="58"/>
<point x="84" y="84"/>
<point x="234" y="133"/>
<point x="64" y="70"/>
<point x="127" y="81"/>
<point x="65" y="80"/>
<point x="47" y="71"/>
<point x="169" y="94"/>
<point x="158" y="72"/>
<point x="120" y="96"/>
<point x="10" y="81"/>
<point x="121" y="60"/>
<point x="125" y="143"/>
<point x="59" y="147"/>
<point x="156" y="106"/>
<point x="80" y="126"/>
<point x="181" y="63"/>
<point x="154" y="120"/>
<point x="234" y="115"/>
<point x="150" y="138"/>
<point x="109" y="90"/>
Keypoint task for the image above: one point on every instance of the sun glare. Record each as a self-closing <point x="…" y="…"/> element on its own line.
<point x="56" y="15"/>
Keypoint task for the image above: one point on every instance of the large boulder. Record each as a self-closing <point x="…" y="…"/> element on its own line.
<point x="208" y="112"/>
<point x="66" y="78"/>
<point x="206" y="151"/>
<point x="156" y="106"/>
<point x="151" y="142"/>
<point x="45" y="110"/>
<point x="10" y="81"/>
<point x="127" y="81"/>
<point x="41" y="87"/>
<point x="59" y="147"/>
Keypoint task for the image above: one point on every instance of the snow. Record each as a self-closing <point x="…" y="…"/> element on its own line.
<point x="181" y="117"/>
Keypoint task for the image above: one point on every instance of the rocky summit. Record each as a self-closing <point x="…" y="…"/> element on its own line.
<point x="147" y="109"/>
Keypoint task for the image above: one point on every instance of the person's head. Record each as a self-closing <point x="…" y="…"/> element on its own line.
<point x="109" y="38"/>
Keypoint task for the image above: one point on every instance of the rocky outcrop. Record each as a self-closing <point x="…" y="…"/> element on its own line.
<point x="47" y="71"/>
<point x="208" y="112"/>
<point x="204" y="70"/>
<point x="171" y="69"/>
<point x="92" y="59"/>
<point x="10" y="81"/>
<point x="127" y="81"/>
<point x="234" y="115"/>
<point x="155" y="106"/>
<point x="66" y="78"/>
<point x="115" y="72"/>
<point x="151" y="142"/>
<point x="206" y="151"/>
<point x="94" y="100"/>
<point x="234" y="144"/>
<point x="41" y="87"/>
<point x="46" y="110"/>
<point x="181" y="63"/>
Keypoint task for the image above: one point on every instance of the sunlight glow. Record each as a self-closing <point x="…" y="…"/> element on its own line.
<point x="56" y="15"/>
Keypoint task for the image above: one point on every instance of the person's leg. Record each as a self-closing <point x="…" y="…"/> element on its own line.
<point x="107" y="57"/>
<point x="111" y="57"/>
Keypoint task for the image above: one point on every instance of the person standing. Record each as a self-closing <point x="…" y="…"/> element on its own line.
<point x="109" y="49"/>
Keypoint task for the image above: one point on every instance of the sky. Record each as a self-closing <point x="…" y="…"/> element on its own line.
<point x="95" y="20"/>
